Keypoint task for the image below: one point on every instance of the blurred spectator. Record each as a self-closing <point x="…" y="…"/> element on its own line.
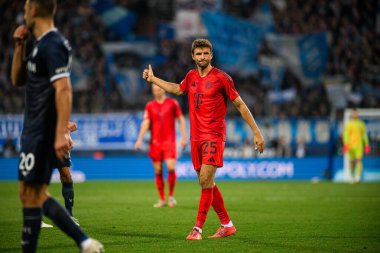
<point x="9" y="148"/>
<point x="247" y="149"/>
<point x="282" y="148"/>
<point x="301" y="147"/>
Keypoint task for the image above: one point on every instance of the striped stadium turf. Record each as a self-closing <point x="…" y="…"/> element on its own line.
<point x="269" y="217"/>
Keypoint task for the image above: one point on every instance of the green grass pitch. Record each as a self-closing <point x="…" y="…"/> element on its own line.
<point x="269" y="217"/>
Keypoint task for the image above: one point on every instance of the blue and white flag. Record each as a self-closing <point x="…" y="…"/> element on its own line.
<point x="118" y="19"/>
<point x="236" y="41"/>
<point x="305" y="55"/>
<point x="263" y="16"/>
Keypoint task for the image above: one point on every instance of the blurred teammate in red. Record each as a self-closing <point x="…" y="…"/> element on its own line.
<point x="208" y="91"/>
<point x="159" y="118"/>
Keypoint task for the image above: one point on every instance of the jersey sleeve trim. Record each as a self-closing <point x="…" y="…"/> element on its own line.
<point x="183" y="88"/>
<point x="234" y="96"/>
<point x="59" y="76"/>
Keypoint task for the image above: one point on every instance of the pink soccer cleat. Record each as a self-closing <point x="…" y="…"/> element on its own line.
<point x="172" y="202"/>
<point x="194" y="235"/>
<point x="224" y="232"/>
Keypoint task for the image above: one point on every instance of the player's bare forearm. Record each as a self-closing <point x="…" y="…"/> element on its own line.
<point x="167" y="86"/>
<point x="63" y="102"/>
<point x="247" y="116"/>
<point x="182" y="128"/>
<point x="18" y="72"/>
<point x="143" y="129"/>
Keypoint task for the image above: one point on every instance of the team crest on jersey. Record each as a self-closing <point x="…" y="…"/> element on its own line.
<point x="35" y="51"/>
<point x="208" y="85"/>
<point x="193" y="84"/>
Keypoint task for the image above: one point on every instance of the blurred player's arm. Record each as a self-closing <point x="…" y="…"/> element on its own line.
<point x="18" y="72"/>
<point x="346" y="138"/>
<point x="70" y="141"/>
<point x="247" y="116"/>
<point x="367" y="148"/>
<point x="63" y="103"/>
<point x="145" y="124"/>
<point x="182" y="128"/>
<point x="72" y="126"/>
<point x="167" y="86"/>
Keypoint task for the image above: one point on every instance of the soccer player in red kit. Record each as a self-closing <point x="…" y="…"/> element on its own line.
<point x="159" y="117"/>
<point x="208" y="90"/>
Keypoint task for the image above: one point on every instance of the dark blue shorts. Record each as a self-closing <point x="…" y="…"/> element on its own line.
<point x="37" y="160"/>
<point x="65" y="163"/>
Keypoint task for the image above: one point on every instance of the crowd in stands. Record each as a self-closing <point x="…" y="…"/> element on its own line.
<point x="355" y="40"/>
<point x="354" y="54"/>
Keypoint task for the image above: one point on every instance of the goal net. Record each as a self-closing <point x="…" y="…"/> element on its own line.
<point x="371" y="162"/>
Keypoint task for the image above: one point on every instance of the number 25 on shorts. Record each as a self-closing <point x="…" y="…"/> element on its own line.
<point x="209" y="147"/>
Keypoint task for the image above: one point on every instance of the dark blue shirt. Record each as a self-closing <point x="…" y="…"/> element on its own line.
<point x="47" y="61"/>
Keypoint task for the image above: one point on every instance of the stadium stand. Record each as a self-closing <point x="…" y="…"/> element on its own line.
<point x="354" y="53"/>
<point x="99" y="76"/>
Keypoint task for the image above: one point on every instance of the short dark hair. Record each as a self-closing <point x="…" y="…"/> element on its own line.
<point x="46" y="8"/>
<point x="200" y="43"/>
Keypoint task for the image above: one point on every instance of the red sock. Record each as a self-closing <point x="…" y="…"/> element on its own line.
<point x="218" y="205"/>
<point x="171" y="180"/>
<point x="160" y="186"/>
<point x="204" y="206"/>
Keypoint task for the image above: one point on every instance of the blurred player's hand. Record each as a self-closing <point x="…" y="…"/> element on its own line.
<point x="148" y="74"/>
<point x="71" y="143"/>
<point x="183" y="143"/>
<point x="138" y="145"/>
<point x="345" y="148"/>
<point x="61" y="146"/>
<point x="259" y="142"/>
<point x="367" y="149"/>
<point x="72" y="126"/>
<point x="21" y="34"/>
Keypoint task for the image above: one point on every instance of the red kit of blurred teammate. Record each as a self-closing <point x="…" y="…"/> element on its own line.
<point x="159" y="118"/>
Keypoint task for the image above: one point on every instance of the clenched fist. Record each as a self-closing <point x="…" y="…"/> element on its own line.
<point x="21" y="34"/>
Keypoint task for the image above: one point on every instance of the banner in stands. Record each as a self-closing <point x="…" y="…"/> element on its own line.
<point x="116" y="18"/>
<point x="305" y="55"/>
<point x="119" y="131"/>
<point x="236" y="41"/>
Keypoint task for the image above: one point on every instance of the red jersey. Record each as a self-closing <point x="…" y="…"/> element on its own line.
<point x="162" y="120"/>
<point x="208" y="103"/>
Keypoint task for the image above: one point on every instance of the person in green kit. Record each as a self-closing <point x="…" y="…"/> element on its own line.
<point x="355" y="141"/>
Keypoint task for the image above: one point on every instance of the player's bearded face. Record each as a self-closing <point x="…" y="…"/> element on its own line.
<point x="29" y="22"/>
<point x="202" y="57"/>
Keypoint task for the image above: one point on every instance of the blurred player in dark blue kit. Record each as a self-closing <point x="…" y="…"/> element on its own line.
<point x="66" y="178"/>
<point x="45" y="69"/>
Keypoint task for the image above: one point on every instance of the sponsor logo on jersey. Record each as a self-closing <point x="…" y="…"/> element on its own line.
<point x="31" y="67"/>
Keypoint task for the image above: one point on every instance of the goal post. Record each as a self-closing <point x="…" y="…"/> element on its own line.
<point x="371" y="117"/>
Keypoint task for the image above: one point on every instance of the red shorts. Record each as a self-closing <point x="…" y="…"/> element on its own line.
<point x="207" y="152"/>
<point x="158" y="153"/>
